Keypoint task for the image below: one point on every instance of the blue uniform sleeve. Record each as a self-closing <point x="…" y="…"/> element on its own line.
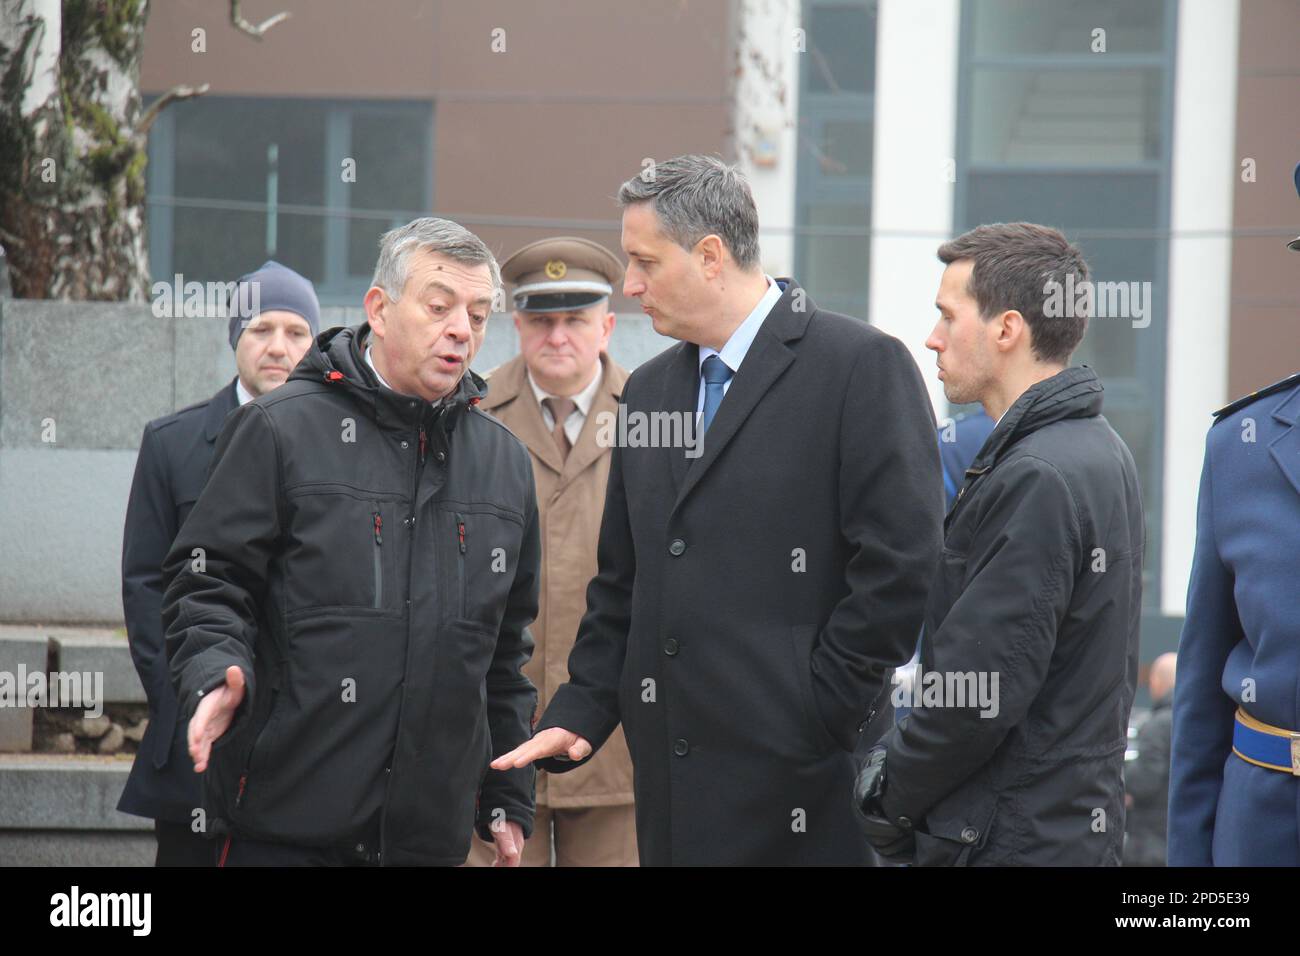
<point x="1203" y="713"/>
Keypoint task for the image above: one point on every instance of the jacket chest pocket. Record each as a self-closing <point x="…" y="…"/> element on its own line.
<point x="484" y="543"/>
<point x="343" y="553"/>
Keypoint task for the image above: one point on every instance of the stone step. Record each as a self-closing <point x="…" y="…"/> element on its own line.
<point x="20" y="649"/>
<point x="103" y="653"/>
<point x="58" y="792"/>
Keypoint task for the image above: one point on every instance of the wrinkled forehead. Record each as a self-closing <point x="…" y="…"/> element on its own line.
<point x="432" y="273"/>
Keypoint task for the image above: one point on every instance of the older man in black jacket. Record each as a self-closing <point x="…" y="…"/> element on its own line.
<point x="1014" y="749"/>
<point x="349" y="599"/>
<point x="754" y="590"/>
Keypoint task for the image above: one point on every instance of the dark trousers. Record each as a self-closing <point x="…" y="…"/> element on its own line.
<point x="178" y="845"/>
<point x="238" y="851"/>
<point x="235" y="850"/>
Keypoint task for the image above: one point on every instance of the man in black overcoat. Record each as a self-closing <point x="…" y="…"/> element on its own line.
<point x="761" y="575"/>
<point x="273" y="316"/>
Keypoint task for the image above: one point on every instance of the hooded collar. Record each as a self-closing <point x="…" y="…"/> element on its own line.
<point x="337" y="358"/>
<point x="1070" y="393"/>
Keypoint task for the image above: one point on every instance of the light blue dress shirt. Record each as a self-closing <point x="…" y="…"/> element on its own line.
<point x="737" y="347"/>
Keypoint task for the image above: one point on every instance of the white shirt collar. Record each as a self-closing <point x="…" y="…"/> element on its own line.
<point x="371" y="362"/>
<point x="582" y="400"/>
<point x="737" y="347"/>
<point x="241" y="393"/>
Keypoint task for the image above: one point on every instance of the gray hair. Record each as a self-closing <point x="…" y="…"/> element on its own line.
<point x="696" y="196"/>
<point x="432" y="235"/>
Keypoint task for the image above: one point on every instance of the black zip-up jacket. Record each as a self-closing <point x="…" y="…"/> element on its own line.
<point x="371" y="563"/>
<point x="1040" y="583"/>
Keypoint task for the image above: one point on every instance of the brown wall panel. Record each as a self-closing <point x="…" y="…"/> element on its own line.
<point x="326" y="49"/>
<point x="1264" y="334"/>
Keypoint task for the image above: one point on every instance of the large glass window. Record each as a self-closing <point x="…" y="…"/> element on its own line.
<point x="1070" y="127"/>
<point x="836" y="114"/>
<point x="235" y="181"/>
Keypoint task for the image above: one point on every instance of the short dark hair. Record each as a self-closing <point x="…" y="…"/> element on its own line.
<point x="1014" y="262"/>
<point x="696" y="196"/>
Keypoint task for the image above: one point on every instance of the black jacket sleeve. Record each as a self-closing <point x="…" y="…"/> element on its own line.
<point x="217" y="568"/>
<point x="891" y="503"/>
<point x="148" y="533"/>
<point x="511" y="697"/>
<point x="1019" y="577"/>
<point x="587" y="704"/>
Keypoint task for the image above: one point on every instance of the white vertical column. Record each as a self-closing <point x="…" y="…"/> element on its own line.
<point x="766" y="130"/>
<point x="1205" y="168"/>
<point x="912" y="183"/>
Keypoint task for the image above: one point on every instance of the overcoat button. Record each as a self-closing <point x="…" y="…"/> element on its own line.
<point x="442" y="456"/>
<point x="969" y="835"/>
<point x="670" y="647"/>
<point x="681" y="748"/>
<point x="405" y="443"/>
<point x="677" y="548"/>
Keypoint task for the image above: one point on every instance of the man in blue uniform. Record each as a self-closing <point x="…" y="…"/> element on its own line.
<point x="1234" y="788"/>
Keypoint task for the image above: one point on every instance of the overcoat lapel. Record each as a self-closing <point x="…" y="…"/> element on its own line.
<point x="603" y="404"/>
<point x="766" y="361"/>
<point x="509" y="383"/>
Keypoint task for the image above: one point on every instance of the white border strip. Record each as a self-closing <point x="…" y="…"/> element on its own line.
<point x="912" y="191"/>
<point x="1205" y="170"/>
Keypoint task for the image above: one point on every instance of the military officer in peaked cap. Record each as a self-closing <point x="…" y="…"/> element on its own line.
<point x="552" y="396"/>
<point x="1234" y="787"/>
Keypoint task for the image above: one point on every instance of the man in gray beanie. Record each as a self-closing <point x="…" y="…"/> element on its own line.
<point x="278" y="309"/>
<point x="274" y="317"/>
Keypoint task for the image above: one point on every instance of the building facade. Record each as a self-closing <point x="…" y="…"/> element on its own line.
<point x="1158" y="134"/>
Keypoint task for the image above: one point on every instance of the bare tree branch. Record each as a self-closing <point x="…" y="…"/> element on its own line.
<point x="174" y="95"/>
<point x="256" y="32"/>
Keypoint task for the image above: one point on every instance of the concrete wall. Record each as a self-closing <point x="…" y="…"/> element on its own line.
<point x="78" y="382"/>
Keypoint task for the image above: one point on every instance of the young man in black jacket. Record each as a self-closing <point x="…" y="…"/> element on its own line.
<point x="348" y="602"/>
<point x="1013" y="752"/>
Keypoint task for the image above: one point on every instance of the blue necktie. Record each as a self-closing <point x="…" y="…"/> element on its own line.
<point x="716" y="375"/>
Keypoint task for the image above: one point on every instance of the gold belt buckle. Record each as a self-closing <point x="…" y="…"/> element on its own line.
<point x="1295" y="755"/>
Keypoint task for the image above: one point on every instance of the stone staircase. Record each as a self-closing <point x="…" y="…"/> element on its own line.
<point x="59" y="808"/>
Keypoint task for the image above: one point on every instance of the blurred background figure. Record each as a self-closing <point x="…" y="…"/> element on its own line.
<point x="1146" y="777"/>
<point x="960" y="440"/>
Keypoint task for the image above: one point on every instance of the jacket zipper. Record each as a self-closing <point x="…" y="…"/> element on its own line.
<point x="378" y="525"/>
<point x="460" y="562"/>
<point x="248" y="761"/>
<point x="410" y="547"/>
